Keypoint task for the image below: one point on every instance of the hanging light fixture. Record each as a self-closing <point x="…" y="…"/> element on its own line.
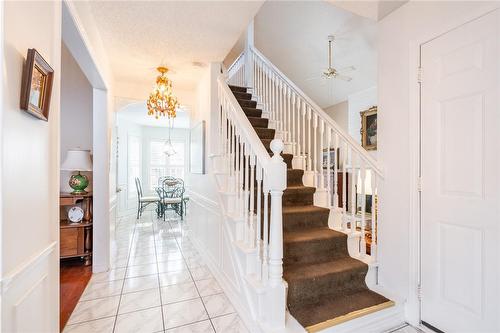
<point x="161" y="101"/>
<point x="168" y="148"/>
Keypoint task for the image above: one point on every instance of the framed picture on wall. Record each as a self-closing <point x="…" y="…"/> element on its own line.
<point x="369" y="128"/>
<point x="36" y="85"/>
<point x="197" y="148"/>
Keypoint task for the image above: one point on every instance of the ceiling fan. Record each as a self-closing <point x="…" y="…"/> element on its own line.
<point x="331" y="72"/>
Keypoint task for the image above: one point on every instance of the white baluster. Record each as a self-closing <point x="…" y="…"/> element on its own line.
<point x="336" y="171"/>
<point x="363" y="208"/>
<point x="265" y="250"/>
<point x="309" y="143"/>
<point x="293" y="137"/>
<point x="344" y="186"/>
<point x="247" y="193"/>
<point x="304" y="147"/>
<point x="258" y="235"/>
<point x="328" y="163"/>
<point x="354" y="179"/>
<point x="240" y="181"/>
<point x="373" y="246"/>
<point x="252" y="201"/>
<point x="319" y="158"/>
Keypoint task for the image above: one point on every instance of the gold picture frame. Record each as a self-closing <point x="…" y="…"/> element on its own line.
<point x="36" y="85"/>
<point x="369" y="128"/>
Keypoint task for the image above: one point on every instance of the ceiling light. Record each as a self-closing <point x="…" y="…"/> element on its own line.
<point x="161" y="101"/>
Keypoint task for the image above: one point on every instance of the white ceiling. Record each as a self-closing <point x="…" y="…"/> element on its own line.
<point x="137" y="112"/>
<point x="293" y="35"/>
<point x="140" y="35"/>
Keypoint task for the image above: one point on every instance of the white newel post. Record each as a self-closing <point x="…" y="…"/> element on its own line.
<point x="277" y="289"/>
<point x="248" y="55"/>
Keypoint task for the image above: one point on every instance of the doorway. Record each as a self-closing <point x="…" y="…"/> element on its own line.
<point x="460" y="220"/>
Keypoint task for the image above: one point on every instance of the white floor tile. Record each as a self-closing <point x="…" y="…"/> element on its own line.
<point x="144" y="321"/>
<point x="201" y="273"/>
<point x="111" y="275"/>
<point x="140" y="283"/>
<point x="229" y="324"/>
<point x="200" y="327"/>
<point x="141" y="270"/>
<point x="95" y="309"/>
<point x="102" y="289"/>
<point x="104" y="325"/>
<point x="139" y="300"/>
<point x="142" y="260"/>
<point x="178" y="292"/>
<point x="218" y="305"/>
<point x="208" y="287"/>
<point x="171" y="266"/>
<point x="183" y="313"/>
<point x="167" y="279"/>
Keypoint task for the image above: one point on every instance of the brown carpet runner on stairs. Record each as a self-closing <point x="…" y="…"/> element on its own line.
<point x="324" y="282"/>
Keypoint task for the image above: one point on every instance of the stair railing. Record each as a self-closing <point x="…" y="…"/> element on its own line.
<point x="330" y="156"/>
<point x="257" y="182"/>
<point x="236" y="72"/>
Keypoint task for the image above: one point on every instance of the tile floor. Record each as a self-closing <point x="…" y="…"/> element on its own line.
<point x="407" y="329"/>
<point x="158" y="283"/>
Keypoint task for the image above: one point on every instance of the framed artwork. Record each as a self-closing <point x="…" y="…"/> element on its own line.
<point x="36" y="85"/>
<point x="369" y="128"/>
<point x="334" y="158"/>
<point x="197" y="148"/>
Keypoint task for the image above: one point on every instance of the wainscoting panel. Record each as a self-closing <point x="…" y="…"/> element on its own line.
<point x="213" y="238"/>
<point x="30" y="294"/>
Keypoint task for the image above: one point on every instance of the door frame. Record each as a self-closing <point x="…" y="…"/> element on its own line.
<point x="414" y="305"/>
<point x="76" y="39"/>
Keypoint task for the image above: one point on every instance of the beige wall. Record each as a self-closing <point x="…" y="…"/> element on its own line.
<point x="340" y="114"/>
<point x="30" y="175"/>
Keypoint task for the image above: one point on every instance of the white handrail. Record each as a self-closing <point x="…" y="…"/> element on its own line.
<point x="235" y="62"/>
<point x="372" y="163"/>
<point x="253" y="177"/>
<point x="244" y="125"/>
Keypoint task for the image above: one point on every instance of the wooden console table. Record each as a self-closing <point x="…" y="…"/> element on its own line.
<point x="76" y="238"/>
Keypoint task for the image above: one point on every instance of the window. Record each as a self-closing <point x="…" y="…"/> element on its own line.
<point x="160" y="165"/>
<point x="134" y="164"/>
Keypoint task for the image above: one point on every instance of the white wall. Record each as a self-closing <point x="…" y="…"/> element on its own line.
<point x="340" y="114"/>
<point x="399" y="34"/>
<point x="29" y="175"/>
<point x="293" y="35"/>
<point x="206" y="106"/>
<point x="76" y="113"/>
<point x="358" y="102"/>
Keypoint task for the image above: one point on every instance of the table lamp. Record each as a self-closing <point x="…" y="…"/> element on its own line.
<point x="78" y="160"/>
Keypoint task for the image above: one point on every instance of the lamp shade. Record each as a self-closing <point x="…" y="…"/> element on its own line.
<point x="77" y="160"/>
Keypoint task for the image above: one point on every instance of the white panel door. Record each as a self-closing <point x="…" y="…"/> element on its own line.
<point x="460" y="178"/>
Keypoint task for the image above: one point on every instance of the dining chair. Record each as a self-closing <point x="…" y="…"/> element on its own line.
<point x="171" y="194"/>
<point x="144" y="201"/>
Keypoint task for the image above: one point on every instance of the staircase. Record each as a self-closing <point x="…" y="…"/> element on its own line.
<point x="325" y="283"/>
<point x="301" y="225"/>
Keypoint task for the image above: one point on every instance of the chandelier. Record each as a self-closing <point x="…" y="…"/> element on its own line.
<point x="161" y="102"/>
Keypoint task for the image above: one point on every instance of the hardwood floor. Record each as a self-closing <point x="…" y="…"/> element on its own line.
<point x="74" y="277"/>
